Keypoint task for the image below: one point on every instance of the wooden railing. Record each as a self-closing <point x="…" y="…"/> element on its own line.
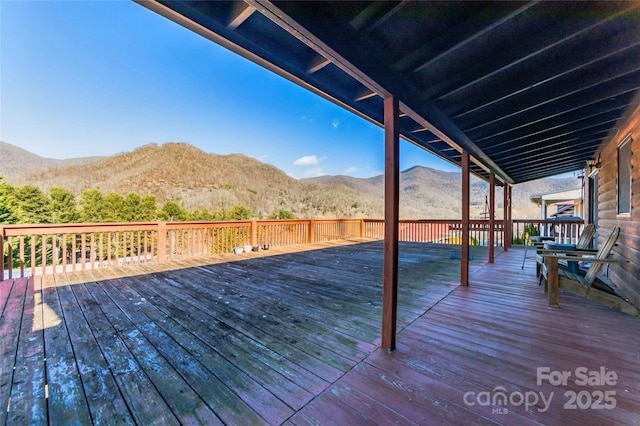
<point x="51" y="249"/>
<point x="442" y="231"/>
<point x="563" y="231"/>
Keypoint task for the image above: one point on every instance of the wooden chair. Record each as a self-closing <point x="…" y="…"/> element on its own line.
<point x="550" y="270"/>
<point x="588" y="232"/>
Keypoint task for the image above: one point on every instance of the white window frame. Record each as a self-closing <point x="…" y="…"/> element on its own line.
<point x="626" y="142"/>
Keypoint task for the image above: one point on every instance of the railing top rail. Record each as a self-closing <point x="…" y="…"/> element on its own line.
<point x="283" y="221"/>
<point x="217" y="224"/>
<point x="550" y="221"/>
<point x="75" y="228"/>
<point x="78" y="228"/>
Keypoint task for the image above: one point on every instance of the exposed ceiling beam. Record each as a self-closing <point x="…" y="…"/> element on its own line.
<point x="607" y="64"/>
<point x="606" y="91"/>
<point x="634" y="5"/>
<point x="317" y="64"/>
<point x="333" y="38"/>
<point x="365" y="95"/>
<point x="542" y="126"/>
<point x="555" y="90"/>
<point x="560" y="131"/>
<point x="372" y="13"/>
<point x="241" y="12"/>
<point x="474" y="37"/>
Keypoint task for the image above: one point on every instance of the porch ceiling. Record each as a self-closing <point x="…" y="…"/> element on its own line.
<point x="529" y="89"/>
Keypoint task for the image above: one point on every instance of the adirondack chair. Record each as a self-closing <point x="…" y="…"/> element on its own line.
<point x="588" y="232"/>
<point x="551" y="272"/>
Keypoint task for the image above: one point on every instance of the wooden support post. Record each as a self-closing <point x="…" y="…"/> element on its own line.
<point x="492" y="220"/>
<point x="552" y="280"/>
<point x="362" y="229"/>
<point x="509" y="217"/>
<point x="505" y="222"/>
<point x="391" y="206"/>
<point x="464" y="251"/>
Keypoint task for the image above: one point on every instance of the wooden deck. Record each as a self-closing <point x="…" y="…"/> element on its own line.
<point x="293" y="338"/>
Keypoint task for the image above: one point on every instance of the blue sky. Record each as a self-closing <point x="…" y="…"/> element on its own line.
<point x="81" y="78"/>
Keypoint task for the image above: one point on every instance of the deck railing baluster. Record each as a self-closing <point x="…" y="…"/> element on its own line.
<point x="132" y="243"/>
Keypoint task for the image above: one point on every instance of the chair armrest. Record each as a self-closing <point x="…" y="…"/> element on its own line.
<point x="546" y="253"/>
<point x="589" y="259"/>
<point x="586" y="251"/>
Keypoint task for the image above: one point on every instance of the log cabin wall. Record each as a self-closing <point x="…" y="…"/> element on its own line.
<point x="626" y="276"/>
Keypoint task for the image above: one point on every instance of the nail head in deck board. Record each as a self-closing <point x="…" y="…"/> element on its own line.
<point x="28" y="402"/>
<point x="143" y="400"/>
<point x="184" y="402"/>
<point x="67" y="402"/>
<point x="199" y="365"/>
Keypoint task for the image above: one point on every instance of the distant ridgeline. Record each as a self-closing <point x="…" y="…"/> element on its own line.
<point x="187" y="182"/>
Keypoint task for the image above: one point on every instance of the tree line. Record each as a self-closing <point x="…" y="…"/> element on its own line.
<point x="29" y="205"/>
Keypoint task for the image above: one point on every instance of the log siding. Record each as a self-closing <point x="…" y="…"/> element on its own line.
<point x="625" y="276"/>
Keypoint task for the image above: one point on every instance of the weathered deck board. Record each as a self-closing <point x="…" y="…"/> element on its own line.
<point x="197" y="363"/>
<point x="185" y="403"/>
<point x="228" y="359"/>
<point x="293" y="338"/>
<point x="28" y="403"/>
<point x="143" y="400"/>
<point x="10" y="331"/>
<point x="496" y="333"/>
<point x="67" y="402"/>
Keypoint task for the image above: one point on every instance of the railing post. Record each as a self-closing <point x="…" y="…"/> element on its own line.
<point x="162" y="241"/>
<point x="505" y="221"/>
<point x="510" y="212"/>
<point x="362" y="230"/>
<point x="312" y="229"/>
<point x="1" y="254"/>
<point x="492" y="220"/>
<point x="254" y="233"/>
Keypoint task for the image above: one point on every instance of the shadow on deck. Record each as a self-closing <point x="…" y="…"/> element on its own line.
<point x="294" y="337"/>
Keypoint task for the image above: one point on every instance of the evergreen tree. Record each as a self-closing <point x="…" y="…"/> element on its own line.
<point x="62" y="205"/>
<point x="6" y="196"/>
<point x="131" y="207"/>
<point x="172" y="212"/>
<point x="239" y="212"/>
<point x="113" y="208"/>
<point x="148" y="208"/>
<point x="202" y="214"/>
<point x="221" y="214"/>
<point x="30" y="205"/>
<point x="91" y="206"/>
<point x="282" y="214"/>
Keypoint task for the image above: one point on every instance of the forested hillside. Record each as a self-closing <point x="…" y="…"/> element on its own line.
<point x="213" y="185"/>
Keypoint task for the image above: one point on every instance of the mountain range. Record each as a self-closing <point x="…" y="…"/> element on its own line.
<point x="184" y="173"/>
